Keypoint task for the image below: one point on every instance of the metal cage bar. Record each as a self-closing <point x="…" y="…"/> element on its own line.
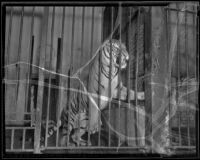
<point x="79" y="90"/>
<point x="40" y="91"/>
<point x="99" y="89"/>
<point x="136" y="77"/>
<point x="23" y="138"/>
<point x="12" y="138"/>
<point x="187" y="74"/>
<point x="91" y="49"/>
<point x="148" y="86"/>
<point x="197" y="73"/>
<point x="110" y="77"/>
<point x="70" y="71"/>
<point x="129" y="65"/>
<point x="178" y="74"/>
<point x="167" y="40"/>
<point x="59" y="70"/>
<point x="119" y="76"/>
<point x="49" y="78"/>
<point x="58" y="67"/>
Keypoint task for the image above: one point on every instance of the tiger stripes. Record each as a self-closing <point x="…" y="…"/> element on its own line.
<point x="102" y="67"/>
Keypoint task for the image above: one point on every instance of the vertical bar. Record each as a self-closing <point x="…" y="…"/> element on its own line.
<point x="91" y="49"/>
<point x="50" y="79"/>
<point x="129" y="67"/>
<point x="23" y="138"/>
<point x="136" y="75"/>
<point x="19" y="52"/>
<point x="32" y="104"/>
<point x="59" y="70"/>
<point x="148" y="71"/>
<point x="169" y="80"/>
<point x="119" y="77"/>
<point x="195" y="46"/>
<point x="27" y="104"/>
<point x="82" y="41"/>
<point x="179" y="128"/>
<point x="110" y="76"/>
<point x="178" y="72"/>
<point x="197" y="74"/>
<point x="58" y="65"/>
<point x="167" y="39"/>
<point x="70" y="71"/>
<point x="187" y="74"/>
<point x="40" y="91"/>
<point x="99" y="88"/>
<point x="12" y="138"/>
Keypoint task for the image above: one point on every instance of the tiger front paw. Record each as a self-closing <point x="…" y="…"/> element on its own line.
<point x="94" y="127"/>
<point x="140" y="96"/>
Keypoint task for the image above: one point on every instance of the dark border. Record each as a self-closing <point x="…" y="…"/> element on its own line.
<point x="69" y="3"/>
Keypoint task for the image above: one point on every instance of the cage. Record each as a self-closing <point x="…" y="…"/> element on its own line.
<point x="50" y="54"/>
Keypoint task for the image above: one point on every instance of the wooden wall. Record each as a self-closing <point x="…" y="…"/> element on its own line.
<point x="24" y="55"/>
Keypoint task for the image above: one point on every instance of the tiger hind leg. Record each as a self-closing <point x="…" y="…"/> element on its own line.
<point x="63" y="136"/>
<point x="77" y="137"/>
<point x="81" y="130"/>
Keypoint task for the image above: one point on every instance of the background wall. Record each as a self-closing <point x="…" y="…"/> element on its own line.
<point x="12" y="53"/>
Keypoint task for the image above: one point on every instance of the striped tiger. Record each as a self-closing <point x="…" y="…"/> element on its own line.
<point x="101" y="65"/>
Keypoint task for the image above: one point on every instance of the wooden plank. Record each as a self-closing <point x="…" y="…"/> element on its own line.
<point x="7" y="60"/>
<point x="31" y="45"/>
<point x="44" y="30"/>
<point x="20" y="87"/>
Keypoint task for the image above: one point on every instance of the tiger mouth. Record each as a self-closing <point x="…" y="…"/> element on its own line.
<point x="123" y="64"/>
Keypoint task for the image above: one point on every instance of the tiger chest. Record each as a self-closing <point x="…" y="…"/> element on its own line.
<point x="105" y="91"/>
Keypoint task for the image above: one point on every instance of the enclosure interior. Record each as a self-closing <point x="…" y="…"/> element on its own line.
<point x="44" y="46"/>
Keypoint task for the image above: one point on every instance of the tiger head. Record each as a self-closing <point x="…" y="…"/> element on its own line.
<point x="117" y="48"/>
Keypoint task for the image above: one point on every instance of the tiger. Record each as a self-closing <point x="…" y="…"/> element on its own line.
<point x="80" y="115"/>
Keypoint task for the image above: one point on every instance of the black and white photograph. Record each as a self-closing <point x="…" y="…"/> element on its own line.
<point x="100" y="79"/>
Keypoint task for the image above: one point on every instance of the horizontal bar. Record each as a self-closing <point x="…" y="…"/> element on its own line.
<point x="175" y="9"/>
<point x="95" y="147"/>
<point x="12" y="120"/>
<point x="14" y="128"/>
<point x="182" y="147"/>
<point x="17" y="113"/>
<point x="130" y="147"/>
<point x="110" y="151"/>
<point x="125" y="149"/>
<point x="93" y="3"/>
<point x="19" y="150"/>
